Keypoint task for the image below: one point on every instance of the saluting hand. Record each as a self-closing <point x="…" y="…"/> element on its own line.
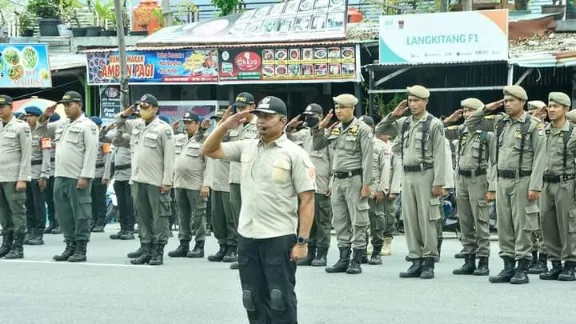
<point x="21" y="186"/>
<point x="326" y="120"/>
<point x="295" y="122"/>
<point x="128" y="111"/>
<point x="400" y="110"/>
<point x="82" y="184"/>
<point x="533" y="195"/>
<point x="205" y="124"/>
<point x="235" y="120"/>
<point x="454" y="117"/>
<point x="494" y="105"/>
<point x="299" y="252"/>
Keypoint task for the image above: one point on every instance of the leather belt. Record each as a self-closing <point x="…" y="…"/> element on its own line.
<point x="558" y="178"/>
<point x="511" y="174"/>
<point x="100" y="165"/>
<point x="122" y="167"/>
<point x="52" y="159"/>
<point x="37" y="162"/>
<point x="472" y="173"/>
<point x="418" y="168"/>
<point x="347" y="174"/>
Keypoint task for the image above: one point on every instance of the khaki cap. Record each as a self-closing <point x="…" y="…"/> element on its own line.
<point x="536" y="104"/>
<point x="418" y="91"/>
<point x="346" y="100"/>
<point x="516" y="91"/>
<point x="472" y="103"/>
<point x="560" y="98"/>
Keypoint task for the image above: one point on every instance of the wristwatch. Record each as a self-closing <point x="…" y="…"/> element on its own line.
<point x="302" y="240"/>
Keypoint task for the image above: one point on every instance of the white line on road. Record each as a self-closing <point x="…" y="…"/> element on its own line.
<point x="79" y="263"/>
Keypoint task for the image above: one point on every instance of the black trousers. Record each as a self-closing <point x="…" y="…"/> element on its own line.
<point x="98" y="202"/>
<point x="50" y="203"/>
<point x="35" y="207"/>
<point x="209" y="211"/>
<point x="125" y="207"/>
<point x="268" y="278"/>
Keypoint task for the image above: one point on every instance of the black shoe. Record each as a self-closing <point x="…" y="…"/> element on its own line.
<point x="506" y="274"/>
<point x="554" y="272"/>
<point x="157" y="255"/>
<point x="117" y="236"/>
<point x="48" y="230"/>
<point x="364" y="257"/>
<point x="17" y="249"/>
<point x="29" y="236"/>
<point x="38" y="239"/>
<point x="198" y="250"/>
<point x="568" y="271"/>
<point x="414" y="271"/>
<point x="343" y="263"/>
<point x="219" y="255"/>
<point x="309" y="258"/>
<point x="68" y="251"/>
<point x="57" y="230"/>
<point x="320" y="260"/>
<point x="79" y="253"/>
<point x="144" y="256"/>
<point x="356" y="262"/>
<point x="521" y="275"/>
<point x="428" y="268"/>
<point x="230" y="254"/>
<point x="7" y="240"/>
<point x="128" y="235"/>
<point x="181" y="251"/>
<point x="137" y="253"/>
<point x="98" y="229"/>
<point x="469" y="266"/>
<point x="375" y="258"/>
<point x="539" y="266"/>
<point x="482" y="269"/>
<point x="234" y="266"/>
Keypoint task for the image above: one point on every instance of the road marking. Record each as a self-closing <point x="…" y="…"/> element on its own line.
<point x="78" y="263"/>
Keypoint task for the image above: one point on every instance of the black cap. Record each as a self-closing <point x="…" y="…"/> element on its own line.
<point x="149" y="99"/>
<point x="191" y="116"/>
<point x="312" y="109"/>
<point x="244" y="99"/>
<point x="71" y="96"/>
<point x="271" y="105"/>
<point x="219" y="114"/>
<point x="5" y="100"/>
<point x="367" y="120"/>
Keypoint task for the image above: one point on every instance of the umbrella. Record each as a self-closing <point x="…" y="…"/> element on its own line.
<point x="20" y="105"/>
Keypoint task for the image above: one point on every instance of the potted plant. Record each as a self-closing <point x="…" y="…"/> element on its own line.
<point x="103" y="14"/>
<point x="26" y="24"/>
<point x="49" y="14"/>
<point x="77" y="31"/>
<point x="556" y="7"/>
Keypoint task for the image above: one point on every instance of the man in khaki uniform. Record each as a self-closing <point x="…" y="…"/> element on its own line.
<point x="152" y="177"/>
<point x="476" y="175"/>
<point x="421" y="144"/>
<point x="101" y="179"/>
<point x="520" y="155"/>
<point x="558" y="208"/>
<point x="190" y="183"/>
<point x="76" y="141"/>
<point x="53" y="226"/>
<point x="40" y="171"/>
<point x="15" y="159"/>
<point x="322" y="159"/>
<point x="353" y="148"/>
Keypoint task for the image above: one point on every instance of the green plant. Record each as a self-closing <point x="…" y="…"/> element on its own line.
<point x="44" y="8"/>
<point x="226" y="6"/>
<point x="68" y="11"/>
<point x="125" y="19"/>
<point x="25" y="21"/>
<point x="103" y="12"/>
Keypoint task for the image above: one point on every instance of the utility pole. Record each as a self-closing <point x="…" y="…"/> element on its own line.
<point x="124" y="96"/>
<point x="167" y="13"/>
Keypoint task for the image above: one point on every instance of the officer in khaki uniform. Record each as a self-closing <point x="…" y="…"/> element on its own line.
<point x="421" y="144"/>
<point x="353" y="147"/>
<point x="76" y="141"/>
<point x="53" y="226"/>
<point x="15" y="159"/>
<point x="322" y="159"/>
<point x="476" y="175"/>
<point x="40" y="171"/>
<point x="520" y="157"/>
<point x="190" y="183"/>
<point x="557" y="203"/>
<point x="152" y="177"/>
<point x="101" y="179"/>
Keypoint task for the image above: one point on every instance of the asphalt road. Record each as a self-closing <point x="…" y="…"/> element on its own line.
<point x="107" y="289"/>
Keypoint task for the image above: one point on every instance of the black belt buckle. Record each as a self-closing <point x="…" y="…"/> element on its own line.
<point x="568" y="177"/>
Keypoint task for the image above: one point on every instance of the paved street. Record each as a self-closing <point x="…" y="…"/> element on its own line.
<point x="108" y="289"/>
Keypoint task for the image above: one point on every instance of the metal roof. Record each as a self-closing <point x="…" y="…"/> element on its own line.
<point x="67" y="61"/>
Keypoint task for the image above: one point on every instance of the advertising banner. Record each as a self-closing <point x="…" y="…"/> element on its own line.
<point x="163" y="66"/>
<point x="110" y="104"/>
<point x="468" y="36"/>
<point x="24" y="66"/>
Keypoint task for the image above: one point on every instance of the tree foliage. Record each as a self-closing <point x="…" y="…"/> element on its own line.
<point x="226" y="7"/>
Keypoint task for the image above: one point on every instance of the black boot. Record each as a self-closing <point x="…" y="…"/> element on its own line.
<point x="482" y="269"/>
<point x="38" y="238"/>
<point x="181" y="251"/>
<point x="234" y="266"/>
<point x="128" y="235"/>
<point x="219" y="255"/>
<point x="230" y="254"/>
<point x="7" y="240"/>
<point x="117" y="236"/>
<point x="365" y="256"/>
<point x="68" y="251"/>
<point x="428" y="268"/>
<point x="17" y="250"/>
<point x="534" y="258"/>
<point x="308" y="258"/>
<point x="145" y="254"/>
<point x="57" y="230"/>
<point x="49" y="229"/>
<point x="355" y="264"/>
<point x="137" y="253"/>
<point x="469" y="266"/>
<point x="79" y="253"/>
<point x="320" y="260"/>
<point x="198" y="251"/>
<point x="540" y="266"/>
<point x="157" y="255"/>
<point x="506" y="274"/>
<point x="343" y="263"/>
<point x="568" y="271"/>
<point x="554" y="272"/>
<point x="460" y="255"/>
<point x="414" y="270"/>
<point x="437" y="258"/>
<point x="98" y="228"/>
<point x="375" y="258"/>
<point x="521" y="275"/>
<point x="29" y="235"/>
<point x="129" y="229"/>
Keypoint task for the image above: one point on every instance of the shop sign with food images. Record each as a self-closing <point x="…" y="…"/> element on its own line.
<point x="24" y="66"/>
<point x="164" y="66"/>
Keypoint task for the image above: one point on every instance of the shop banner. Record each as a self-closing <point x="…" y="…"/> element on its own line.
<point x="24" y="66"/>
<point x="289" y="64"/>
<point x="163" y="66"/>
<point x="468" y="36"/>
<point x="110" y="104"/>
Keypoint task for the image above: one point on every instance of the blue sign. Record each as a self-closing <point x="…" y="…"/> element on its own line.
<point x="24" y="66"/>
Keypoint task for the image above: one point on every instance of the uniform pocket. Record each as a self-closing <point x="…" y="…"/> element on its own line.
<point x="434" y="212"/>
<point x="362" y="216"/>
<point x="281" y="171"/>
<point x="193" y="150"/>
<point x="165" y="205"/>
<point x="476" y="149"/>
<point x="73" y="136"/>
<point x="484" y="210"/>
<point x="531" y="222"/>
<point x="151" y="140"/>
<point x="84" y="207"/>
<point x="572" y="221"/>
<point x="178" y="148"/>
<point x="350" y="142"/>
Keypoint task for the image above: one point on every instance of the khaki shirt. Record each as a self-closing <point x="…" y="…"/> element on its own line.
<point x="449" y="167"/>
<point x="217" y="171"/>
<point x="396" y="172"/>
<point x="41" y="152"/>
<point x="153" y="150"/>
<point x="381" y="164"/>
<point x="353" y="147"/>
<point x="555" y="150"/>
<point x="103" y="161"/>
<point x="322" y="159"/>
<point x="534" y="156"/>
<point x="434" y="151"/>
<point x="122" y="157"/>
<point x="272" y="177"/>
<point x="76" y="147"/>
<point x="15" y="151"/>
<point x="243" y="132"/>
<point x="190" y="165"/>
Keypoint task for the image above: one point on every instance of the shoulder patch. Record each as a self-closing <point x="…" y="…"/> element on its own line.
<point x="93" y="129"/>
<point x="491" y="117"/>
<point x="335" y="131"/>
